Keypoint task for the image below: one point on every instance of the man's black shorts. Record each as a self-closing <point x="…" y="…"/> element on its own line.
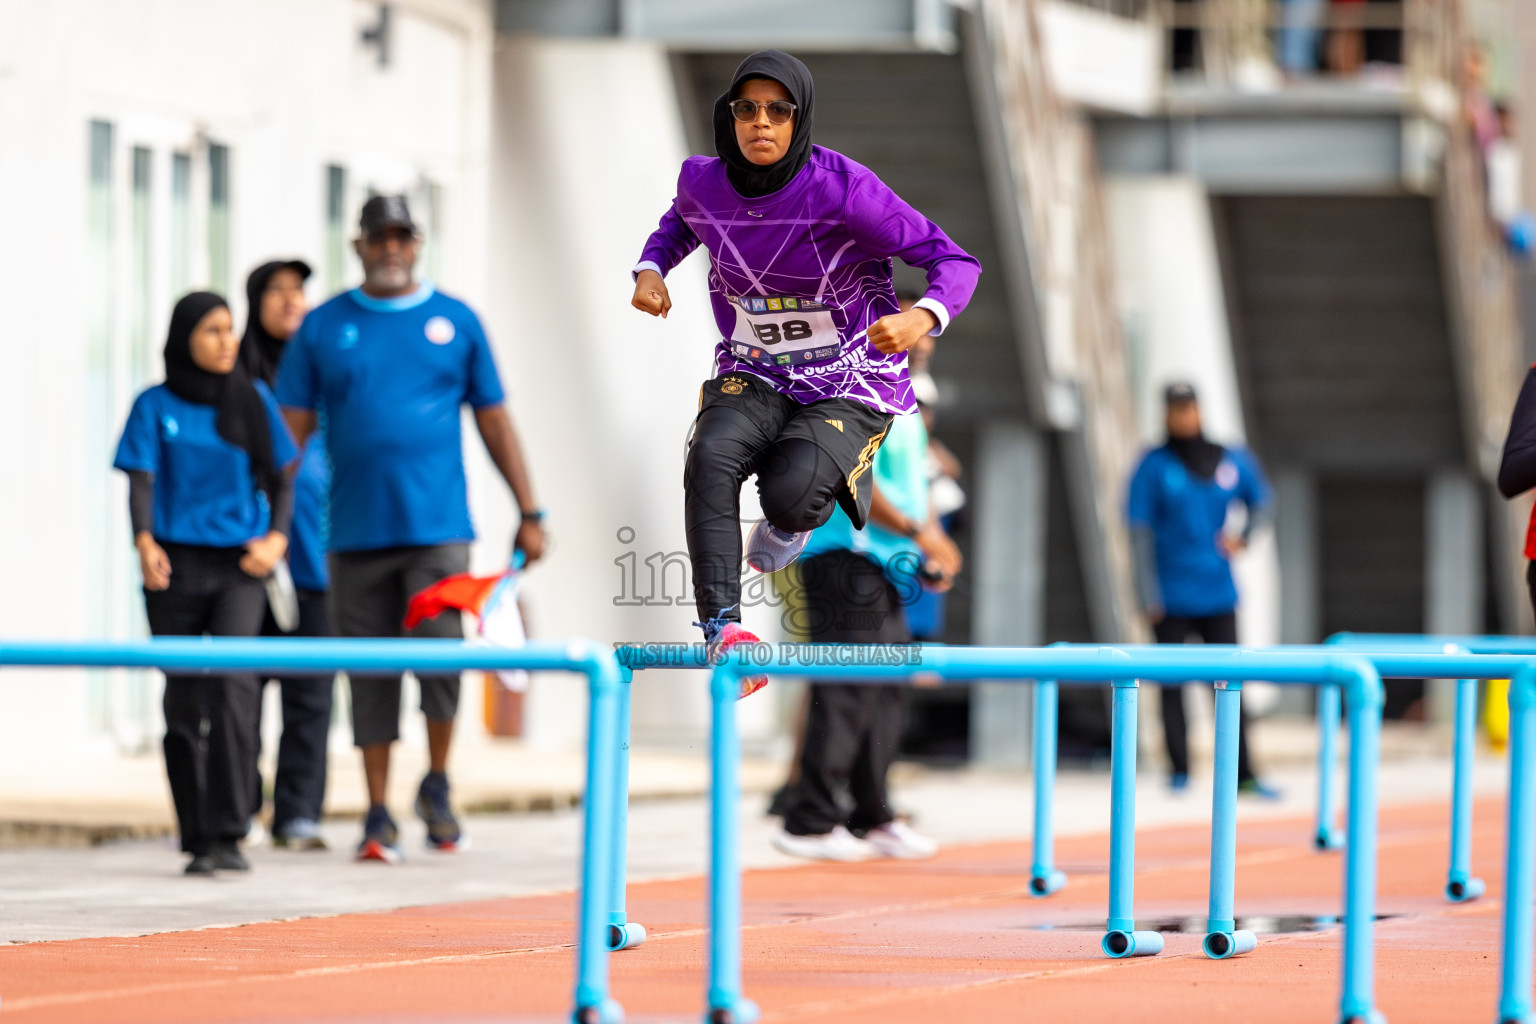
<point x="848" y="432"/>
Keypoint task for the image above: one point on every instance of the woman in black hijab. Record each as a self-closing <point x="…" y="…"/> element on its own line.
<point x="754" y="180"/>
<point x="276" y="307"/>
<point x="210" y="503"/>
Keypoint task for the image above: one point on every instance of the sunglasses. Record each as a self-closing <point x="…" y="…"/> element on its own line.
<point x="779" y="111"/>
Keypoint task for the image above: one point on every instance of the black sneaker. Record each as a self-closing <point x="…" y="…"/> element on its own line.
<point x="226" y="856"/>
<point x="381" y="838"/>
<point x="432" y="806"/>
<point x="201" y="864"/>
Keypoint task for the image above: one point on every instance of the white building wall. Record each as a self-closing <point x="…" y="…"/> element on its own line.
<point x="543" y="205"/>
<point x="288" y="87"/>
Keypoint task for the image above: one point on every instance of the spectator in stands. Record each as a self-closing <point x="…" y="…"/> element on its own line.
<point x="1346" y="41"/>
<point x="1180" y="500"/>
<point x="276" y="306"/>
<point x="210" y="503"/>
<point x="1300" y="32"/>
<point x="391" y="364"/>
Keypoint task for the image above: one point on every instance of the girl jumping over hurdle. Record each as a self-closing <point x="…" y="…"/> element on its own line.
<point x="811" y="364"/>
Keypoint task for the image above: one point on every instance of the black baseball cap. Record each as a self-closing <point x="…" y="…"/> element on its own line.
<point x="1178" y="393"/>
<point x="381" y="212"/>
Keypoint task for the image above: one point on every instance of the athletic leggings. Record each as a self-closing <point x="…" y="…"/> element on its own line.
<point x="750" y="430"/>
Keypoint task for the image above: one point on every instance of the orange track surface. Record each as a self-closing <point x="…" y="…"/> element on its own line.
<point x="953" y="939"/>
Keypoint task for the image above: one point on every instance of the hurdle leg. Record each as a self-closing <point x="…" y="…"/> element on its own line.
<point x="593" y="1003"/>
<point x="1519" y="852"/>
<point x="1044" y="879"/>
<point x="1357" y="1003"/>
<point x="1222" y="939"/>
<point x="1460" y="886"/>
<point x="1121" y="939"/>
<point x="1326" y="835"/>
<point x="726" y="1003"/>
<point x="622" y="932"/>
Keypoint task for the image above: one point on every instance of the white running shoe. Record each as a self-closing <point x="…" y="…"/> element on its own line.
<point x="770" y="549"/>
<point x="897" y="839"/>
<point x="839" y="844"/>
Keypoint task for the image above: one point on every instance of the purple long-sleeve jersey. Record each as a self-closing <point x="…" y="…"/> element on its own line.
<point x="797" y="277"/>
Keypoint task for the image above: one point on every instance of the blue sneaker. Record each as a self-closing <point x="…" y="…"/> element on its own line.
<point x="432" y="807"/>
<point x="381" y="838"/>
<point x="770" y="549"/>
<point x="1178" y="782"/>
<point x="1262" y="790"/>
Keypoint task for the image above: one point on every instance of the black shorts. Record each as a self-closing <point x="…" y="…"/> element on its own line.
<point x="847" y="432"/>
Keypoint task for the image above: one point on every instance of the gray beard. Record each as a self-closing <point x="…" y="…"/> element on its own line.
<point x="386" y="279"/>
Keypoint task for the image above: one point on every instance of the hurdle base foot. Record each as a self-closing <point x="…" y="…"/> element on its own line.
<point x="1368" y="1017"/>
<point x="1118" y="945"/>
<point x="1464" y="890"/>
<point x="744" y="1011"/>
<point x="625" y="936"/>
<point x="606" y="1012"/>
<point x="1046" y="883"/>
<point x="1328" y="839"/>
<point x="1224" y="945"/>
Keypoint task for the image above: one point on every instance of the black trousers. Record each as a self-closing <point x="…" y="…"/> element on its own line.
<point x="210" y="721"/>
<point x="1212" y="629"/>
<point x="298" y="791"/>
<point x="852" y="732"/>
<point x="805" y="456"/>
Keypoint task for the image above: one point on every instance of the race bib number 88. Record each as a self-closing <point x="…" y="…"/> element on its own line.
<point x="781" y="330"/>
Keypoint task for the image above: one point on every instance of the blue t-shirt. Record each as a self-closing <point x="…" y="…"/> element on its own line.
<point x="900" y="471"/>
<point x="391" y="376"/>
<point x="1186" y="515"/>
<point x="204" y="491"/>
<point x="307" y="541"/>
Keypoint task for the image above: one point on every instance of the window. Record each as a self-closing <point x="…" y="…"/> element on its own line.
<point x="101" y="302"/>
<point x="140" y="229"/>
<point x="218" y="218"/>
<point x="181" y="224"/>
<point x="431" y="220"/>
<point x="335" y="228"/>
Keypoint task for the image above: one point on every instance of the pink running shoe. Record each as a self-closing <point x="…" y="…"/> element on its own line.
<point x="722" y="634"/>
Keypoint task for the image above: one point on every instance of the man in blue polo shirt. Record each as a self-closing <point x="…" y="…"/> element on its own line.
<point x="1180" y="498"/>
<point x="391" y="364"/>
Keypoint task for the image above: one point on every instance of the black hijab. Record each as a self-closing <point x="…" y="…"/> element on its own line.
<point x="746" y="177"/>
<point x="259" y="351"/>
<point x="242" y="415"/>
<point x="1200" y="457"/>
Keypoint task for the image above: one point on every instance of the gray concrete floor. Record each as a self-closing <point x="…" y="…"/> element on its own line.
<point x="135" y="888"/>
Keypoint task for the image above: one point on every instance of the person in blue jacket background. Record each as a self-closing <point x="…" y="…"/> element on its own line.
<point x="276" y="304"/>
<point x="1181" y="496"/>
<point x="210" y="502"/>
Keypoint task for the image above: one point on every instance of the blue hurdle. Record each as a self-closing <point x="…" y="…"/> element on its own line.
<point x="726" y="1003"/>
<point x="607" y="771"/>
<point x="1460" y="886"/>
<point x="602" y="925"/>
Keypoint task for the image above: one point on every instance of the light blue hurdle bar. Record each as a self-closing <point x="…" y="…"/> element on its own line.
<point x="1393" y="657"/>
<point x="607" y="771"/>
<point x="1122" y="667"/>
<point x="1460" y="886"/>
